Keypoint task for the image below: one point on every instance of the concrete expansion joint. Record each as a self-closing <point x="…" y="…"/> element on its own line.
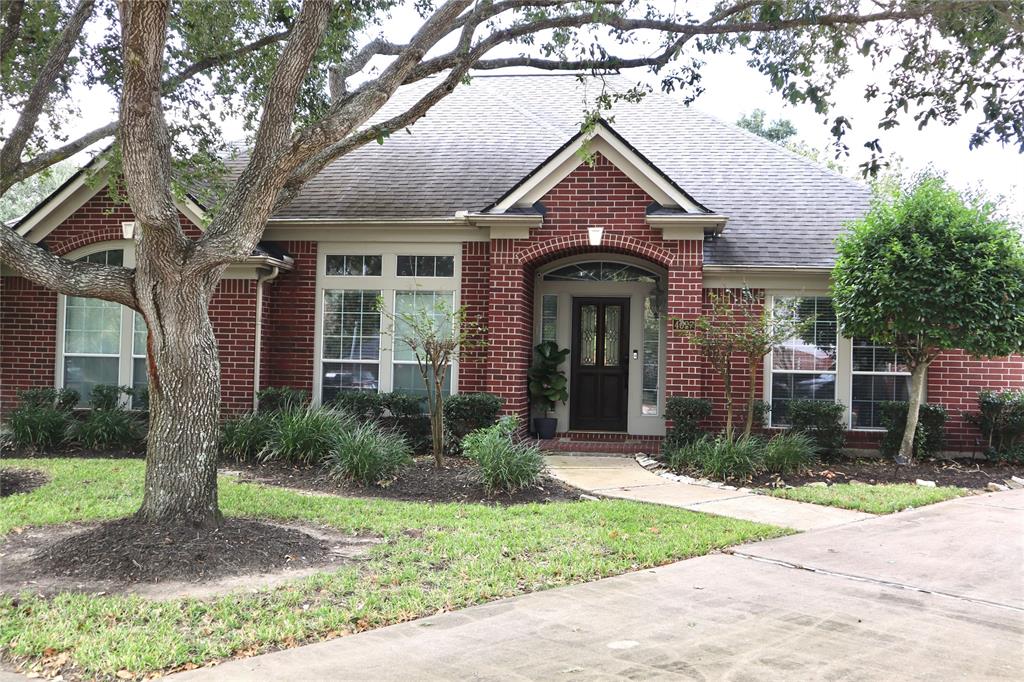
<point x="869" y="580"/>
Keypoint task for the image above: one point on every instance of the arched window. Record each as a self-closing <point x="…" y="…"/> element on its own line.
<point x="101" y="342"/>
<point x="600" y="271"/>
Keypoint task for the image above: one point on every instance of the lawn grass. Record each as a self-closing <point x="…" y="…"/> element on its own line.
<point x="463" y="555"/>
<point x="874" y="499"/>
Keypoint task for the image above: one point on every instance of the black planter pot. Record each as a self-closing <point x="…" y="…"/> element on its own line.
<point x="545" y="427"/>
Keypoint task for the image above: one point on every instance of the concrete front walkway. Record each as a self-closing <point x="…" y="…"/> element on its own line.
<point x="622" y="477"/>
<point x="934" y="593"/>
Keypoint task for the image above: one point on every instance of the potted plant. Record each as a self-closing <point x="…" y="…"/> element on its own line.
<point x="548" y="385"/>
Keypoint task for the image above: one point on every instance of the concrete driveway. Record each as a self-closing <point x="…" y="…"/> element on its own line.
<point x="936" y="593"/>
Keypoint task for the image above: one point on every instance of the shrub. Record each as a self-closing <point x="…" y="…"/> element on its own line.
<point x="361" y="404"/>
<point x="305" y="434"/>
<point x="686" y="415"/>
<point x="107" y="429"/>
<point x="505" y="465"/>
<point x="468" y="412"/>
<point x="367" y="453"/>
<point x="280" y="398"/>
<point x="822" y="421"/>
<point x="245" y="437"/>
<point x="63" y="399"/>
<point x="38" y="427"/>
<point x="107" y="397"/>
<point x="406" y="413"/>
<point x="721" y="458"/>
<point x="929" y="436"/>
<point x="1012" y="455"/>
<point x="790" y="452"/>
<point x="738" y="459"/>
<point x="1000" y="418"/>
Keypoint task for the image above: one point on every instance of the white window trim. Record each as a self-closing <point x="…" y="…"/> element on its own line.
<point x="387" y="283"/>
<point x="841" y="372"/>
<point x="125" y="355"/>
<point x="844" y="365"/>
<point x="849" y="395"/>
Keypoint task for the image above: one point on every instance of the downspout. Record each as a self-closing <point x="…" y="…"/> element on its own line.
<point x="257" y="351"/>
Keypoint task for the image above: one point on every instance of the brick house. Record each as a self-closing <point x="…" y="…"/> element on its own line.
<point x="495" y="201"/>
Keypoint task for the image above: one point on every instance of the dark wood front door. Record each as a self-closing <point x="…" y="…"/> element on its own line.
<point x="600" y="364"/>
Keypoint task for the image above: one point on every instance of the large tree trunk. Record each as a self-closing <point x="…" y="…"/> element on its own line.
<point x="184" y="404"/>
<point x="917" y="384"/>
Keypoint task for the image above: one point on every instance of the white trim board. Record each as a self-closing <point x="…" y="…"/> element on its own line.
<point x="602" y="140"/>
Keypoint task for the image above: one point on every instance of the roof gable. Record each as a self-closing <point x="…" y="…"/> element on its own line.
<point x="605" y="140"/>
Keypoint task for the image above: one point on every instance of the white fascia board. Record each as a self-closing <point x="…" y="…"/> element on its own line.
<point x="62" y="205"/>
<point x="600" y="140"/>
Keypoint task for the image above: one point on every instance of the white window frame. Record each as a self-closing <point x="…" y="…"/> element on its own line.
<point x="849" y="395"/>
<point x="387" y="283"/>
<point x="413" y="363"/>
<point x="126" y="349"/>
<point x="841" y="371"/>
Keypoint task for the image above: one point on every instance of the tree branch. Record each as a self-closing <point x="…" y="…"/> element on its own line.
<point x="11" y="27"/>
<point x="40" y="162"/>
<point x="73" y="278"/>
<point x="56" y="62"/>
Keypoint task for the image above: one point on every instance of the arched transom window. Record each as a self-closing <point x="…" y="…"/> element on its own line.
<point x="600" y="271"/>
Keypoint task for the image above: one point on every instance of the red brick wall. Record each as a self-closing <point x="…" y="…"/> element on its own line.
<point x="713" y="388"/>
<point x="955" y="379"/>
<point x="289" y="322"/>
<point x="233" y="314"/>
<point x="476" y="266"/>
<point x="598" y="194"/>
<point x="28" y="314"/>
<point x="28" y="338"/>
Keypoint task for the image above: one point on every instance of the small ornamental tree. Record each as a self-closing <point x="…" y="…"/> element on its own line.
<point x="437" y="334"/>
<point x="927" y="270"/>
<point x="739" y="327"/>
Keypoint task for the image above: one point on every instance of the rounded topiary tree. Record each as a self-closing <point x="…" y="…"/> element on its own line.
<point x="929" y="269"/>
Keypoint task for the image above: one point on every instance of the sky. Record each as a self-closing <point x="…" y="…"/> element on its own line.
<point x="733" y="89"/>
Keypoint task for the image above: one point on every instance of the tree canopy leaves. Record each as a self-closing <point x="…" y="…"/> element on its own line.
<point x="929" y="269"/>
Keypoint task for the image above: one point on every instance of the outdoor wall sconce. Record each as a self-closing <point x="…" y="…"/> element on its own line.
<point x="595" y="234"/>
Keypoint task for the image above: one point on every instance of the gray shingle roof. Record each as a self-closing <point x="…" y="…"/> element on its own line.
<point x="486" y="136"/>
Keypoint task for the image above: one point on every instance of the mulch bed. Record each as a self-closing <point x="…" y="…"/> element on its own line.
<point x="421" y="481"/>
<point x="14" y="481"/>
<point x="127" y="551"/>
<point x="962" y="473"/>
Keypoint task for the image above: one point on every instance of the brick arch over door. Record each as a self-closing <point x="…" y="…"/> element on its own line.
<point x="579" y="244"/>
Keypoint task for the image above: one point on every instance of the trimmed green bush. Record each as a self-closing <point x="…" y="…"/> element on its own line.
<point x="107" y="429"/>
<point x="108" y="397"/>
<point x="738" y="459"/>
<point x="245" y="437"/>
<point x="790" y="452"/>
<point x="63" y="399"/>
<point x="822" y="421"/>
<point x="367" y="453"/>
<point x="505" y="465"/>
<point x="1000" y="418"/>
<point x="468" y="412"/>
<point x="930" y="433"/>
<point x="281" y="398"/>
<point x="38" y="427"/>
<point x="306" y="435"/>
<point x="361" y="404"/>
<point x="406" y="412"/>
<point x="686" y="414"/>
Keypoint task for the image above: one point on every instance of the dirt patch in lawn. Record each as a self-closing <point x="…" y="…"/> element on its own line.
<point x="964" y="474"/>
<point x="161" y="561"/>
<point x="15" y="481"/>
<point x="457" y="481"/>
<point x="72" y="452"/>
